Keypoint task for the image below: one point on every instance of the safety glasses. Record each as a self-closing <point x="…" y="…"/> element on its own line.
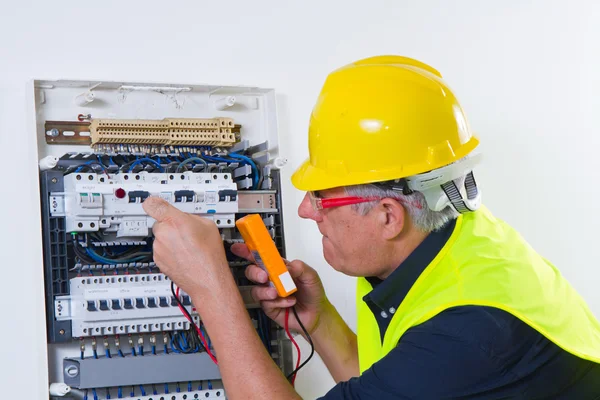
<point x="319" y="203"/>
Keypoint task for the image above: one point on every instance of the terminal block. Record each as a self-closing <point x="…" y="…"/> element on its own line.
<point x="168" y="131"/>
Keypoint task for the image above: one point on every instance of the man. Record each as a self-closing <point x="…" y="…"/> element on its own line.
<point x="452" y="302"/>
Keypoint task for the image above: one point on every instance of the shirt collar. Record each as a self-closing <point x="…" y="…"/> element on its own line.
<point x="389" y="293"/>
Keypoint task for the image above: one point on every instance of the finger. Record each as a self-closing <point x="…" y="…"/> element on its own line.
<point x="159" y="209"/>
<point x="302" y="273"/>
<point x="261" y="293"/>
<point x="256" y="274"/>
<point x="271" y="305"/>
<point x="241" y="250"/>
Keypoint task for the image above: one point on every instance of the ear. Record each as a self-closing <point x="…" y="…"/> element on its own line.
<point x="392" y="218"/>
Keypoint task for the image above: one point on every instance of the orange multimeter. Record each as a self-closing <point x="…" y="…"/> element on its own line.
<point x="265" y="253"/>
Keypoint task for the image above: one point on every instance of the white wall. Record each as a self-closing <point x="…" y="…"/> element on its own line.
<point x="526" y="72"/>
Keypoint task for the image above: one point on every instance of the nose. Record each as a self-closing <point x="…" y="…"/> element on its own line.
<point x="306" y="210"/>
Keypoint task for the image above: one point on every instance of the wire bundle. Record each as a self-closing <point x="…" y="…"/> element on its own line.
<point x="191" y="321"/>
<point x="292" y="376"/>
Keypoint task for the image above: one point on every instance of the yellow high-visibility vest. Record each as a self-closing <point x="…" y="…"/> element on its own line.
<point x="485" y="262"/>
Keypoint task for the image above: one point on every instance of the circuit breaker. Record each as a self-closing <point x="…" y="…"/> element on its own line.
<point x="117" y="327"/>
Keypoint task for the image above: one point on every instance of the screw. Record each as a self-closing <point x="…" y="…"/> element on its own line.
<point x="72" y="370"/>
<point x="54" y="180"/>
<point x="62" y="332"/>
<point x="53" y="132"/>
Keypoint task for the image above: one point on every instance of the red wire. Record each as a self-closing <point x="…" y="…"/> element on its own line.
<point x="289" y="335"/>
<point x="212" y="357"/>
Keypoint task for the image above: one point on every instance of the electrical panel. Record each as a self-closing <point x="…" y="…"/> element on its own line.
<point x="117" y="327"/>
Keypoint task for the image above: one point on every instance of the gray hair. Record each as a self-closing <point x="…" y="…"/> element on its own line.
<point x="422" y="217"/>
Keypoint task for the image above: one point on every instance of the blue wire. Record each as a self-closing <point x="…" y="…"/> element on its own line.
<point x="107" y="394"/>
<point x="209" y="385"/>
<point x="173" y="349"/>
<point x="133" y="351"/>
<point x="177" y="388"/>
<point x="121" y="353"/>
<point x="143" y="391"/>
<point x="95" y="354"/>
<point x="166" y="388"/>
<point x="108" y="353"/>
<point x="252" y="164"/>
<point x="154" y="391"/>
<point x="82" y="355"/>
<point x="132" y="393"/>
<point x="85" y="396"/>
<point x="189" y="386"/>
<point x="166" y="349"/>
<point x="89" y="163"/>
<point x="141" y="350"/>
<point x="120" y="393"/>
<point x="200" y="385"/>
<point x="154" y="349"/>
<point x="149" y="160"/>
<point x="98" y="258"/>
<point x="95" y="394"/>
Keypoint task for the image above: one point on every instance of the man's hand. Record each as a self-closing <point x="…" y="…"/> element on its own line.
<point x="310" y="298"/>
<point x="187" y="248"/>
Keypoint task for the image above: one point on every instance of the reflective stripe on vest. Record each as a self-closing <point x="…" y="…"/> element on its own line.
<point x="487" y="263"/>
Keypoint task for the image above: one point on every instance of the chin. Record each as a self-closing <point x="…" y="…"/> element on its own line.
<point x="337" y="265"/>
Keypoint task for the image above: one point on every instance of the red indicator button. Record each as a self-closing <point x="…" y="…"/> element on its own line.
<point x="120" y="193"/>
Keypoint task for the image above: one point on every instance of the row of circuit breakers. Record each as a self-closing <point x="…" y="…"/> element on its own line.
<point x="107" y="303"/>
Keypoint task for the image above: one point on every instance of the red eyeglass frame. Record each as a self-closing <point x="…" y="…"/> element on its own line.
<point x="320" y="203"/>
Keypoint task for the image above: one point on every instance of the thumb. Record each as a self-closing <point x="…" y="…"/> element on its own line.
<point x="159" y="209"/>
<point x="303" y="274"/>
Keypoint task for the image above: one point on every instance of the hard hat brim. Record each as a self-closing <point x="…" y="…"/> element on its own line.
<point x="310" y="178"/>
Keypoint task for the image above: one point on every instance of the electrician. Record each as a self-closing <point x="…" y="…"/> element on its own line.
<point x="451" y="301"/>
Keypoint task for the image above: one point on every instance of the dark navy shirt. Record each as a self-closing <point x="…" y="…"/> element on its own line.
<point x="467" y="352"/>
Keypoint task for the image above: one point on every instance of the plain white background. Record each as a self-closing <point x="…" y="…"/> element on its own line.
<point x="525" y="71"/>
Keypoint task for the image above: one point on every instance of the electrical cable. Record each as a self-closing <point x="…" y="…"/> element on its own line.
<point x="308" y="338"/>
<point x="189" y="318"/>
<point x="292" y="376"/>
<point x="146" y="160"/>
<point x="191" y="160"/>
<point x="252" y="165"/>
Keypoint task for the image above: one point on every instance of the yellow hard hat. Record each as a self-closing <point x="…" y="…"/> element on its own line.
<point x="380" y="119"/>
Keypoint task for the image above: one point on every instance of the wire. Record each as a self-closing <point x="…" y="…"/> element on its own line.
<point x="289" y="335"/>
<point x="308" y="338"/>
<point x="141" y="256"/>
<point x="143" y="391"/>
<point x="89" y="164"/>
<point x="189" y="318"/>
<point x="148" y="160"/>
<point x="252" y="164"/>
<point x="191" y="160"/>
<point x="120" y="393"/>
